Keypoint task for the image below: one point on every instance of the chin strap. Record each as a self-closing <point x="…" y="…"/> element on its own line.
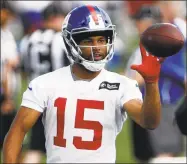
<point x="94" y="67"/>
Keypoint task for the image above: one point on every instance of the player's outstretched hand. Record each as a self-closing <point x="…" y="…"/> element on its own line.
<point x="150" y="67"/>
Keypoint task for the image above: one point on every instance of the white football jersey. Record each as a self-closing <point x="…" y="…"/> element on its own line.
<point x="81" y="118"/>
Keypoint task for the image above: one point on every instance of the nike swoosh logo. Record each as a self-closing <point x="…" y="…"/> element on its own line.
<point x="30" y="88"/>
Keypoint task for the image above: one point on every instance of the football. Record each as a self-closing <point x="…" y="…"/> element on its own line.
<point x="162" y="39"/>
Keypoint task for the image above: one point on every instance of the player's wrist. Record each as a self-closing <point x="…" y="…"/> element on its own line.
<point x="150" y="80"/>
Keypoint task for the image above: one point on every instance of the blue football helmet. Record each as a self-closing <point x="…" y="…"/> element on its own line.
<point x="85" y="21"/>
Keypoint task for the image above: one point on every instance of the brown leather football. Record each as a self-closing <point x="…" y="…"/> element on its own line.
<point x="162" y="39"/>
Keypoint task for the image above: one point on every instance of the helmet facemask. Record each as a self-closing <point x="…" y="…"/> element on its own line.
<point x="71" y="38"/>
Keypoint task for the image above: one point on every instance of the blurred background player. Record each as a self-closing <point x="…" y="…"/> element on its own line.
<point x="9" y="65"/>
<point x="32" y="20"/>
<point x="43" y="51"/>
<point x="171" y="85"/>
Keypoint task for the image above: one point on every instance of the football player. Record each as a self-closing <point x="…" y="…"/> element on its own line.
<point x="84" y="106"/>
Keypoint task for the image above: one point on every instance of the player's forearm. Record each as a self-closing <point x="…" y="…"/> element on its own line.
<point x="12" y="145"/>
<point x="151" y="106"/>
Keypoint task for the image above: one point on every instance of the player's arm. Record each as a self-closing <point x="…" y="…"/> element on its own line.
<point x="23" y="121"/>
<point x="147" y="114"/>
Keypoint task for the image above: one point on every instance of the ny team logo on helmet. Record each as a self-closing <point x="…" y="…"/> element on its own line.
<point x="83" y="20"/>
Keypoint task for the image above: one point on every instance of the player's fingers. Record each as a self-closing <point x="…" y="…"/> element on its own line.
<point x="134" y="67"/>
<point x="143" y="51"/>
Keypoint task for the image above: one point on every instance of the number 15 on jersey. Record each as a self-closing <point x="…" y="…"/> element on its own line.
<point x="80" y="123"/>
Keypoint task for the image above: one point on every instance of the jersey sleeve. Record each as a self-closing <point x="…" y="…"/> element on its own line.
<point x="34" y="97"/>
<point x="128" y="90"/>
<point x="131" y="91"/>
